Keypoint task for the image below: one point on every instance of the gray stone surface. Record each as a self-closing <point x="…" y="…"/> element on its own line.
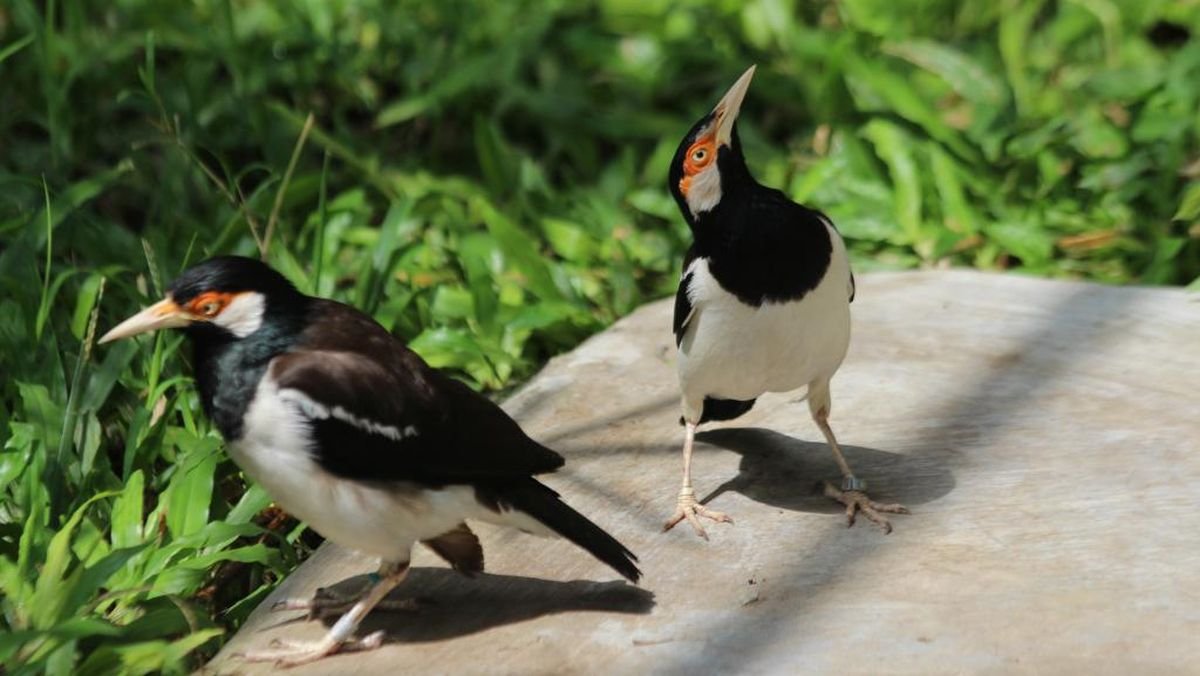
<point x="1046" y="436"/>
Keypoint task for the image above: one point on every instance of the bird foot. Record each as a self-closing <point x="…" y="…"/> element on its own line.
<point x="285" y="653"/>
<point x="689" y="508"/>
<point x="856" y="500"/>
<point x="326" y="603"/>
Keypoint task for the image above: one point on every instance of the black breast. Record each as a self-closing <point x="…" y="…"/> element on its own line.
<point x="763" y="247"/>
<point x="228" y="373"/>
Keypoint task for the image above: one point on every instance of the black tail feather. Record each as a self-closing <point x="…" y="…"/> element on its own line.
<point x="543" y="504"/>
<point x="723" y="409"/>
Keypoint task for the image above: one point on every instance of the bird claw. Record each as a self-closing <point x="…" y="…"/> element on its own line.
<point x="689" y="508"/>
<point x="286" y="653"/>
<point x="857" y="501"/>
<point x="324" y="603"/>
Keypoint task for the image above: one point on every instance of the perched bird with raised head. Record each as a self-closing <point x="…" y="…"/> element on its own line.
<point x="763" y="303"/>
<point x="352" y="432"/>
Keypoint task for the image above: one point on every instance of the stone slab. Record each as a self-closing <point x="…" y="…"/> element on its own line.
<point x="1045" y="434"/>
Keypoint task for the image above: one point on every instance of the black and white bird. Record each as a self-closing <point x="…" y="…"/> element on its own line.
<point x="352" y="432"/>
<point x="763" y="303"/>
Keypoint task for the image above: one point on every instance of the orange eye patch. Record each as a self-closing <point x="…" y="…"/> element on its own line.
<point x="699" y="155"/>
<point x="209" y="304"/>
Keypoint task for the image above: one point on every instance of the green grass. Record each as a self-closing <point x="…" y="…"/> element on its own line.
<point x="487" y="179"/>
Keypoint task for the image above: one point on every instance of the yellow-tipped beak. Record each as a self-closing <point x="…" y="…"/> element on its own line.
<point x="164" y="314"/>
<point x="729" y="106"/>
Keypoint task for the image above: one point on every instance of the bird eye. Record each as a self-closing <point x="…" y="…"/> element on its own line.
<point x="210" y="309"/>
<point x="699" y="155"/>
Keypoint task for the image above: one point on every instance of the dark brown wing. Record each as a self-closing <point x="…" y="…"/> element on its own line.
<point x="377" y="411"/>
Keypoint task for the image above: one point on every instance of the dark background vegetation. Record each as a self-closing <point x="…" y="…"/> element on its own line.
<point x="487" y="179"/>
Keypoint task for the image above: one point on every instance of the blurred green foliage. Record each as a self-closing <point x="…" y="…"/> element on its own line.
<point x="487" y="179"/>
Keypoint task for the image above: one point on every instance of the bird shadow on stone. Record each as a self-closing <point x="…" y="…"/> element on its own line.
<point x="448" y="604"/>
<point x="787" y="473"/>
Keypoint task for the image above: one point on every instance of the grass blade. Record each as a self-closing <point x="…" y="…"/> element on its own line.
<point x="283" y="186"/>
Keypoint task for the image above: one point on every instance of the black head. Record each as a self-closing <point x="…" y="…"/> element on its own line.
<point x="709" y="159"/>
<point x="230" y="296"/>
<point x="231" y="275"/>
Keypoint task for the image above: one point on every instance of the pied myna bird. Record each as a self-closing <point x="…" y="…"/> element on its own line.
<point x="763" y="303"/>
<point x="350" y="431"/>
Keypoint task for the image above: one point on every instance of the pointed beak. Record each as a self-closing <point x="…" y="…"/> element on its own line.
<point x="164" y="314"/>
<point x="731" y="104"/>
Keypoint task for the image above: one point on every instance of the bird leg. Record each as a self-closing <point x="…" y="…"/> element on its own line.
<point x="329" y="602"/>
<point x="853" y="492"/>
<point x="688" y="507"/>
<point x="339" y="638"/>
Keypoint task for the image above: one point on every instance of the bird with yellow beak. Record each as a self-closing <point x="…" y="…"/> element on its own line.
<point x="763" y="303"/>
<point x="350" y="431"/>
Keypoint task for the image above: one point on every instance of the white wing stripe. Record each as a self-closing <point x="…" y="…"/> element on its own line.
<point x="315" y="409"/>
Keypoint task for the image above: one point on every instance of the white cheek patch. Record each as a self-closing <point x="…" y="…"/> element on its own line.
<point x="244" y="314"/>
<point x="704" y="192"/>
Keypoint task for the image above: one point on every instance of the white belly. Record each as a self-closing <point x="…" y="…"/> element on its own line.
<point x="731" y="350"/>
<point x="383" y="519"/>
